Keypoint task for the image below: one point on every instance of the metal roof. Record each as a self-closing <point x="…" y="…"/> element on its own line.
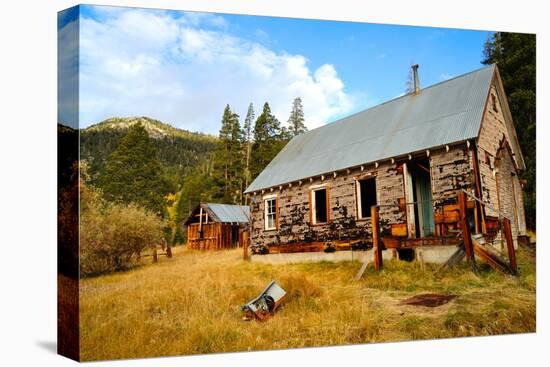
<point x="444" y="113"/>
<point x="226" y="213"/>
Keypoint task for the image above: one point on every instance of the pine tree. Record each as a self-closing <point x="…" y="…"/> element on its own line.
<point x="236" y="184"/>
<point x="296" y="119"/>
<point x="247" y="136"/>
<point x="228" y="159"/>
<point x="515" y="56"/>
<point x="133" y="174"/>
<point x="269" y="139"/>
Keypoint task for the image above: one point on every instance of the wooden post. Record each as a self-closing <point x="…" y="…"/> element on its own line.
<point x="200" y="223"/>
<point x="376" y="238"/>
<point x="510" y="245"/>
<point x="245" y="245"/>
<point x="465" y="229"/>
<point x="479" y="210"/>
<point x="155" y="256"/>
<point x="168" y="251"/>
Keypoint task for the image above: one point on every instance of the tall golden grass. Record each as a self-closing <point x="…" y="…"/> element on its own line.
<point x="191" y="304"/>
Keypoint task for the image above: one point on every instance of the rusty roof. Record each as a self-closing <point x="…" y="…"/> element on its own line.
<point x="223" y="213"/>
<point x="441" y="114"/>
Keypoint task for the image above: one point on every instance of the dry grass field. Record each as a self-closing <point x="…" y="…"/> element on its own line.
<point x="191" y="304"/>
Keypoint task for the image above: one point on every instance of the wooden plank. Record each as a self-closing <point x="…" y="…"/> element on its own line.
<point x="429" y="241"/>
<point x="447" y="217"/>
<point x="494" y="261"/>
<point x="361" y="270"/>
<point x="399" y="229"/>
<point x="310" y="207"/>
<point x="409" y="198"/>
<point x="402" y="204"/>
<point x="510" y="245"/>
<point x="245" y="245"/>
<point x="479" y="209"/>
<point x="392" y="242"/>
<point x="451" y="207"/>
<point x="327" y="198"/>
<point x="374" y="211"/>
<point x="200" y="220"/>
<point x="277" y="212"/>
<point x="465" y="229"/>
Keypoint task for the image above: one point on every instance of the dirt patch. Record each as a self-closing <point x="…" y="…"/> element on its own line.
<point x="428" y="300"/>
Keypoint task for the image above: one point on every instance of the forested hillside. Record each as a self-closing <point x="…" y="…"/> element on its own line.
<point x="178" y="151"/>
<point x="167" y="171"/>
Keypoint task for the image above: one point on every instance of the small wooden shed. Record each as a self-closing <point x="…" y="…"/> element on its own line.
<point x="217" y="226"/>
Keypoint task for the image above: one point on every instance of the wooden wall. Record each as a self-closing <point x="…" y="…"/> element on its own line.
<point x="215" y="236"/>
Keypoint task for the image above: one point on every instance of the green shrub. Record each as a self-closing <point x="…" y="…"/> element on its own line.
<point x="113" y="235"/>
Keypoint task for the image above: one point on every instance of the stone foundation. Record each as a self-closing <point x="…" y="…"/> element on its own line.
<point x="435" y="254"/>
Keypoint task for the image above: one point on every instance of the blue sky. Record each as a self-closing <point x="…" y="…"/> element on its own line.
<point x="183" y="67"/>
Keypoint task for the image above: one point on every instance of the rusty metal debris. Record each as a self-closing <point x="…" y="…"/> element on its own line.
<point x="263" y="306"/>
<point x="428" y="300"/>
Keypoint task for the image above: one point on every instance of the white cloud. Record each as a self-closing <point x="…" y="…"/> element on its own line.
<point x="67" y="60"/>
<point x="446" y="76"/>
<point x="184" y="70"/>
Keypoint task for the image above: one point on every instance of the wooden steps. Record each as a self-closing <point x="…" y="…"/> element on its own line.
<point x="492" y="257"/>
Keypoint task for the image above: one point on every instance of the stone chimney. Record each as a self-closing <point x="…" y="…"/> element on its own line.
<point x="416" y="81"/>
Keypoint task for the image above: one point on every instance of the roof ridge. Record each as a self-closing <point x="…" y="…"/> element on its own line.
<point x="398" y="97"/>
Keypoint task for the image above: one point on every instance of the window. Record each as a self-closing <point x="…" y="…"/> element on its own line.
<point x="366" y="197"/>
<point x="319" y="206"/>
<point x="270" y="213"/>
<point x="494" y="102"/>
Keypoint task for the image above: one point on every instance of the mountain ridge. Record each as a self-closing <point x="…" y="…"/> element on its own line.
<point x="179" y="151"/>
<point x="156" y="128"/>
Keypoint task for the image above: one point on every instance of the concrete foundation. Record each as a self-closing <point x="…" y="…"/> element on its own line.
<point x="436" y="254"/>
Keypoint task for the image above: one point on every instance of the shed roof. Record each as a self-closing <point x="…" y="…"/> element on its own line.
<point x="224" y="213"/>
<point x="444" y="113"/>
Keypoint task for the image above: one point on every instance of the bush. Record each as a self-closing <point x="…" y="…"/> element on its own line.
<point x="113" y="235"/>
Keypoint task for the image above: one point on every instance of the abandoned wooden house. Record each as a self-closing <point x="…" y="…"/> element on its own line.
<point x="217" y="226"/>
<point x="409" y="158"/>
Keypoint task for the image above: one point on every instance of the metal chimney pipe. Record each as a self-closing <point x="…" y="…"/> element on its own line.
<point x="416" y="81"/>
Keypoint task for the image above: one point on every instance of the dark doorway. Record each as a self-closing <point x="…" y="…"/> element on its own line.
<point x="367" y="194"/>
<point x="235" y="235"/>
<point x="320" y="206"/>
<point x="406" y="254"/>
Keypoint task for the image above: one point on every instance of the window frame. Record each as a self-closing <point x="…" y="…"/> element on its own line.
<point x="312" y="204"/>
<point x="358" y="196"/>
<point x="267" y="199"/>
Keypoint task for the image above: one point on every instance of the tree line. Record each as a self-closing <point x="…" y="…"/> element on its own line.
<point x="133" y="173"/>
<point x="242" y="152"/>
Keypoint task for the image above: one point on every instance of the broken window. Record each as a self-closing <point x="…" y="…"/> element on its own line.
<point x="271" y="213"/>
<point x="319" y="206"/>
<point x="366" y="197"/>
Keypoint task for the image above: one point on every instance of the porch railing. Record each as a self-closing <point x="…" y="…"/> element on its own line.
<point x="467" y="222"/>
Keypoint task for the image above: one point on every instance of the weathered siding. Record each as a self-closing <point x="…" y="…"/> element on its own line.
<point x="493" y="131"/>
<point x="506" y="194"/>
<point x="450" y="171"/>
<point x="215" y="236"/>
<point x="293" y="208"/>
<point x="500" y="196"/>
